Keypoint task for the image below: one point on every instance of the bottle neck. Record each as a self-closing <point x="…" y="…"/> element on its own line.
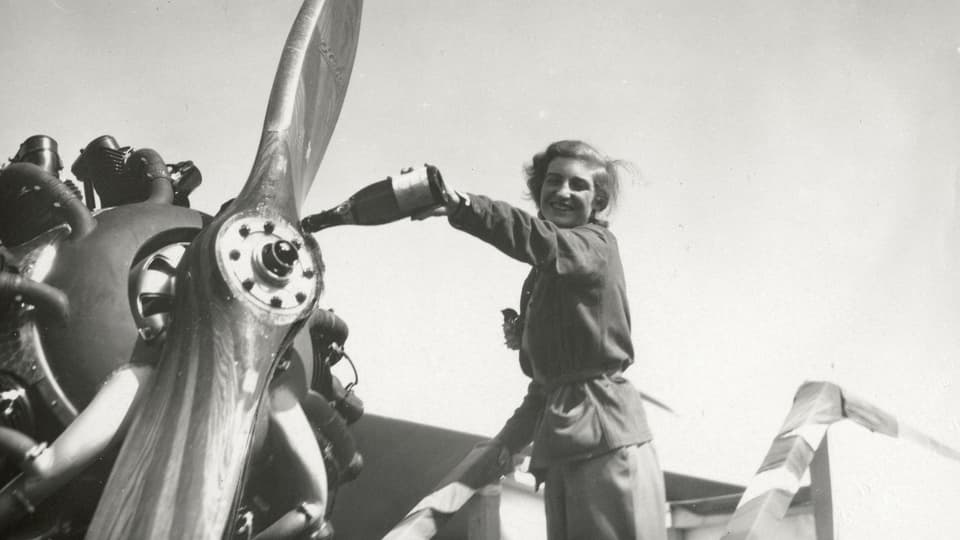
<point x="338" y="215"/>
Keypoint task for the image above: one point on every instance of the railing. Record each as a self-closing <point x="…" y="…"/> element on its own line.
<point x="801" y="445"/>
<point x="822" y="435"/>
<point x="470" y="490"/>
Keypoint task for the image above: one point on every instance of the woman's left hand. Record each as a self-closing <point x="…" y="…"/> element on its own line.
<point x="505" y="460"/>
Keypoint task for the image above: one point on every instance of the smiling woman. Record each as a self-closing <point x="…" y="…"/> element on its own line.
<point x="591" y="442"/>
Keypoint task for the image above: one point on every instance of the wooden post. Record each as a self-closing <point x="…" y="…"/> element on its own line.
<point x="483" y="514"/>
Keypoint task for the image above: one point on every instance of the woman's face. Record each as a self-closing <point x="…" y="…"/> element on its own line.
<point x="568" y="195"/>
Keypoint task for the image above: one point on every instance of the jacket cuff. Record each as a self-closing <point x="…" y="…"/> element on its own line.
<point x="465" y="212"/>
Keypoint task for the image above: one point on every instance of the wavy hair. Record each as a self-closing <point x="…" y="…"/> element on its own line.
<point x="606" y="179"/>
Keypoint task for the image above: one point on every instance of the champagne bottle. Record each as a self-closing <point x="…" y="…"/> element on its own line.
<point x="384" y="201"/>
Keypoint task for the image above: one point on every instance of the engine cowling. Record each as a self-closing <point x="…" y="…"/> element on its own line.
<point x="93" y="272"/>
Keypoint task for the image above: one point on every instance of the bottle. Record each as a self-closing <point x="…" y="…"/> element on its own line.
<point x="387" y="200"/>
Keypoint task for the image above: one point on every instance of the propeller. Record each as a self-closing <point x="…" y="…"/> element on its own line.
<point x="244" y="288"/>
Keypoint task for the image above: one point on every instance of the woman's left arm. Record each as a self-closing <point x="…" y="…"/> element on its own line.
<point x="517" y="432"/>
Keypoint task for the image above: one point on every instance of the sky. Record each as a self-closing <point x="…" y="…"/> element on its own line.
<point x="795" y="216"/>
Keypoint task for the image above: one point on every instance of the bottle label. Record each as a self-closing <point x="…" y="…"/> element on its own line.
<point x="413" y="192"/>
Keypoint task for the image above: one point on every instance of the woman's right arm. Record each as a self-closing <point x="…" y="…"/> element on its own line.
<point x="578" y="251"/>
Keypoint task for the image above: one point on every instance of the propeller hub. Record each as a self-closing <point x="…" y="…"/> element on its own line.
<point x="279" y="257"/>
<point x="268" y="262"/>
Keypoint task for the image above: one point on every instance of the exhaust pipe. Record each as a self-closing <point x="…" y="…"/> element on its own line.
<point x="30" y="176"/>
<point x="47" y="298"/>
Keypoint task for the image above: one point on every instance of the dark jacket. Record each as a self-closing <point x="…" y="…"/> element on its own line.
<point x="576" y="338"/>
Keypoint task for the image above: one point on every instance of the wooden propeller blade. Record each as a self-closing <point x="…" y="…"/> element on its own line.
<point x="305" y="102"/>
<point x="240" y="298"/>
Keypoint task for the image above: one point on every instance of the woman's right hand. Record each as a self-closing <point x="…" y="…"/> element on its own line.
<point x="451" y="202"/>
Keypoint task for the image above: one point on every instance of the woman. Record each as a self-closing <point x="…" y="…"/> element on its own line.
<point x="591" y="442"/>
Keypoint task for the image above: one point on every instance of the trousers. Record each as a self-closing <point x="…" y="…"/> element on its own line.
<point x="618" y="495"/>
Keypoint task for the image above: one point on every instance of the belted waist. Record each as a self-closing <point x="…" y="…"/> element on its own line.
<point x="579" y="376"/>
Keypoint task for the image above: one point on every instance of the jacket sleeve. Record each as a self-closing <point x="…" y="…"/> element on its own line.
<point x="578" y="251"/>
<point x="517" y="433"/>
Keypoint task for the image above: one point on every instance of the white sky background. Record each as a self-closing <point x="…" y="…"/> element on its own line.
<point x="797" y="216"/>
